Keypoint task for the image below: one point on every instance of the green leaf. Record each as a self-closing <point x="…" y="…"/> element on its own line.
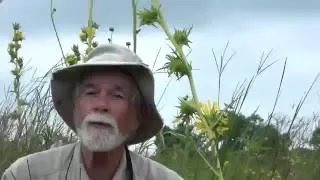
<point x="75" y="49"/>
<point x="20" y="62"/>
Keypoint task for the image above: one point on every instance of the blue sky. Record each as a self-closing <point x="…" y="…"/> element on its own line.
<point x="290" y="28"/>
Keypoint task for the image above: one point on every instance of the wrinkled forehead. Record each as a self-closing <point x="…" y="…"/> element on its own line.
<point x="110" y="77"/>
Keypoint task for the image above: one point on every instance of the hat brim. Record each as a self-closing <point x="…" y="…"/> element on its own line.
<point x="64" y="80"/>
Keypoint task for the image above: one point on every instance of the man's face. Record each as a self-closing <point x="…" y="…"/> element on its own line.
<point x="105" y="114"/>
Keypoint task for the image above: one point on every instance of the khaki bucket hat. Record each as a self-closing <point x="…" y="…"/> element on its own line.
<point x="103" y="58"/>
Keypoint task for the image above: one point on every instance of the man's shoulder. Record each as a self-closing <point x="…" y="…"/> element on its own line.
<point x="40" y="163"/>
<point x="147" y="167"/>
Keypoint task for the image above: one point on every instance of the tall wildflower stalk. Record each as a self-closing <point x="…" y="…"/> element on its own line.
<point x="91" y="29"/>
<point x="134" y="27"/>
<point x="13" y="50"/>
<point x="208" y="117"/>
<point x="87" y="35"/>
<point x="52" y="12"/>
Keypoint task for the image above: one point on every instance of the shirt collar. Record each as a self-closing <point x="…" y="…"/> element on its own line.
<point x="120" y="174"/>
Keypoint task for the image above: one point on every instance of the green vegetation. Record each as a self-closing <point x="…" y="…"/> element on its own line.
<point x="210" y="140"/>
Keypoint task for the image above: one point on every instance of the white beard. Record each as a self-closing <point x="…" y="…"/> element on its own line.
<point x="100" y="139"/>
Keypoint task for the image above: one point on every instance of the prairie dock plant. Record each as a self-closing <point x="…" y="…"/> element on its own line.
<point x="209" y="120"/>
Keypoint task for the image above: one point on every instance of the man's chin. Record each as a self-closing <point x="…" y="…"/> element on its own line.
<point x="98" y="148"/>
<point x="101" y="142"/>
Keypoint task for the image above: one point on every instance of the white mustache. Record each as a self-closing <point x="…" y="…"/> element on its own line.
<point x="100" y="118"/>
<point x="100" y="140"/>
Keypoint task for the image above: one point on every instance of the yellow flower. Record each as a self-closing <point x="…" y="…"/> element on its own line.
<point x="209" y="110"/>
<point x="211" y="120"/>
<point x="201" y="126"/>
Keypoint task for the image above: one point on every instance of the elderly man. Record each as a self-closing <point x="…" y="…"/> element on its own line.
<point x="109" y="102"/>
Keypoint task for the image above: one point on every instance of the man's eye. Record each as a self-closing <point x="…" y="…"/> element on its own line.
<point x="90" y="92"/>
<point x="118" y="95"/>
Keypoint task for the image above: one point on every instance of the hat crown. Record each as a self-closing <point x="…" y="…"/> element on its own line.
<point x="113" y="52"/>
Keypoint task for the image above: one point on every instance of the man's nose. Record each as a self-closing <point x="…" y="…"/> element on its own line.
<point x="101" y="105"/>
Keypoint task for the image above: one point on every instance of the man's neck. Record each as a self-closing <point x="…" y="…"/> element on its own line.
<point x="101" y="165"/>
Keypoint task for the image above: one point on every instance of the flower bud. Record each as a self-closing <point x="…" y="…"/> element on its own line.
<point x="94" y="44"/>
<point x="181" y="37"/>
<point x="149" y="16"/>
<point x="83" y="37"/>
<point x="128" y="44"/>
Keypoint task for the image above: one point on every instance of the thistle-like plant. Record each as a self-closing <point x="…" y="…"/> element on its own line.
<point x="187" y="109"/>
<point x="176" y="65"/>
<point x="209" y="119"/>
<point x="181" y="37"/>
<point x="150" y="16"/>
<point x="154" y="17"/>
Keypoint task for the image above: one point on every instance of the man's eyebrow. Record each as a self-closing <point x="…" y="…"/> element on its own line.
<point x="118" y="87"/>
<point x="115" y="87"/>
<point x="86" y="85"/>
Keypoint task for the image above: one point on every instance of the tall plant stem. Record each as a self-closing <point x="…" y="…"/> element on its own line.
<point x="90" y="24"/>
<point x="52" y="11"/>
<point x="218" y="165"/>
<point x="134" y="27"/>
<point x="179" y="50"/>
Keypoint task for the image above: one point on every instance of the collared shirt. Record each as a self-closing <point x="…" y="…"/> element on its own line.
<point x="64" y="163"/>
